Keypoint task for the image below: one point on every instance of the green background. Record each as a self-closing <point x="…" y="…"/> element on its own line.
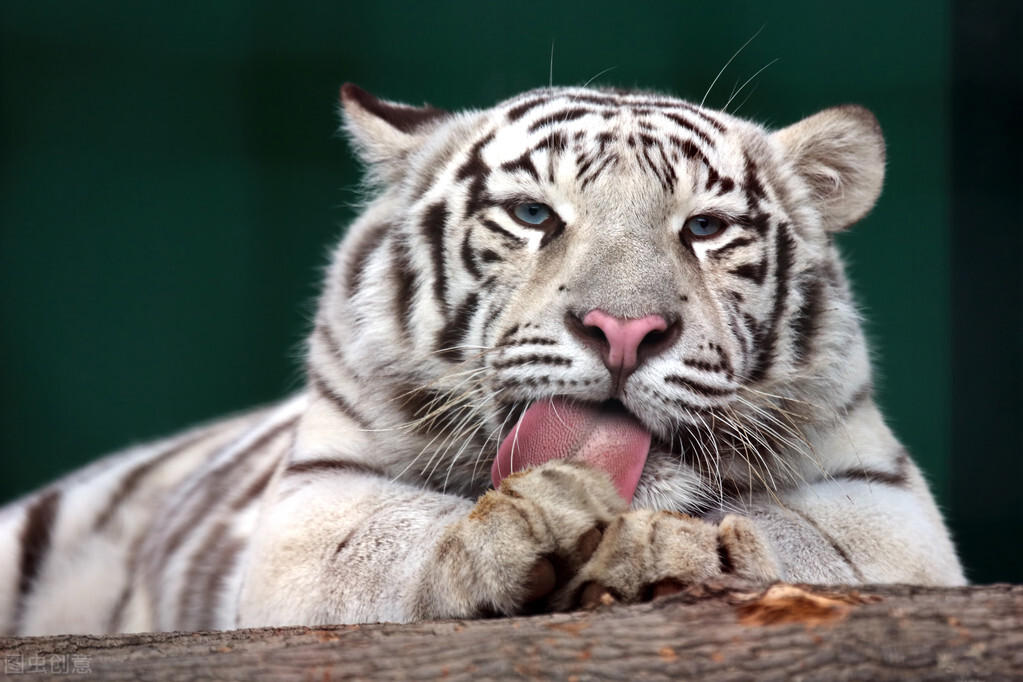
<point x="171" y="181"/>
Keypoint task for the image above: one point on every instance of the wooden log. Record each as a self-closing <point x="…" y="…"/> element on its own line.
<point x="717" y="631"/>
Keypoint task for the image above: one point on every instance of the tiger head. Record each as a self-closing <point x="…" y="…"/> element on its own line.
<point x="606" y="253"/>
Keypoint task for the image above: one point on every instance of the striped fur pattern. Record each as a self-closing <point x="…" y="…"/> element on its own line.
<point x="454" y="302"/>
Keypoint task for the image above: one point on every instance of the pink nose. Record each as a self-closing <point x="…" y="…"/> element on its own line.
<point x="624" y="343"/>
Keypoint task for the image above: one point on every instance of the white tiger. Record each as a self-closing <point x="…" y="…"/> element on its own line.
<point x="623" y="311"/>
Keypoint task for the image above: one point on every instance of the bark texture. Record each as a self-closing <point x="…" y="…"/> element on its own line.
<point x="717" y="631"/>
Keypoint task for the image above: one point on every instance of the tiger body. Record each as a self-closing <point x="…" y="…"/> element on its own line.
<point x="594" y="252"/>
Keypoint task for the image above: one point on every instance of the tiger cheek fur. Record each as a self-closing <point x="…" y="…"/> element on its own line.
<point x="583" y="343"/>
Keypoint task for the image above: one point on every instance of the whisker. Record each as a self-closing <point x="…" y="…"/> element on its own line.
<point x="610" y="68"/>
<point x="732" y="58"/>
<point x="735" y="94"/>
<point x="746" y="98"/>
<point x="466" y="438"/>
<point x="495" y="435"/>
<point x="716" y="458"/>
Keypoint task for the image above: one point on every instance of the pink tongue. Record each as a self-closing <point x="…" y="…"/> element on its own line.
<point x="608" y="438"/>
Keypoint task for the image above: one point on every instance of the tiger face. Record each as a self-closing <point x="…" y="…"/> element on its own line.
<point x="626" y="251"/>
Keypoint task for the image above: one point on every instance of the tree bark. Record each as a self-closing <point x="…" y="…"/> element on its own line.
<point x="717" y="631"/>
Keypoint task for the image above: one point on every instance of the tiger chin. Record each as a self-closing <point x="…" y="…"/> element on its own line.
<point x="585" y="344"/>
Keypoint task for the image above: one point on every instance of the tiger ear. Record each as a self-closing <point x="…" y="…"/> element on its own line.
<point x="840" y="154"/>
<point x="384" y="133"/>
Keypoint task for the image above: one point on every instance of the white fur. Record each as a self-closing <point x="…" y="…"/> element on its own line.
<point x="366" y="497"/>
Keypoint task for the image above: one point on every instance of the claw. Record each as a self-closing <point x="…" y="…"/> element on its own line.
<point x="594" y="595"/>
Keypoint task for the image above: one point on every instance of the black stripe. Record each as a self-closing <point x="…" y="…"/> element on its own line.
<point x="488" y="256"/>
<point x="644" y="158"/>
<point x="434" y="223"/>
<point x="523" y="163"/>
<point x="326" y="335"/>
<point x="336" y="398"/>
<point x="468" y="257"/>
<point x="494" y="309"/>
<point x="711" y="367"/>
<point x="124" y="598"/>
<point x="688" y="125"/>
<point x="533" y="382"/>
<point x="343" y="544"/>
<point x="222" y="555"/>
<point x="534" y="359"/>
<point x="117" y="613"/>
<point x="508" y="334"/>
<point x="604" y="163"/>
<point x="513" y="241"/>
<point x="859" y="397"/>
<point x="752" y="271"/>
<point x="215" y="558"/>
<point x="199" y="567"/>
<point x="604" y="139"/>
<point x="551" y="235"/>
<point x="368" y="244"/>
<point x="697" y="387"/>
<point x="805" y="323"/>
<point x="702" y="114"/>
<point x="730" y="246"/>
<point x="896" y="479"/>
<point x="255" y="490"/>
<point x="758" y="221"/>
<point x="669" y="171"/>
<point x="532" y="341"/>
<point x="765" y="344"/>
<point x="583" y="163"/>
<point x="404" y="278"/>
<point x="431" y="171"/>
<point x="476" y="171"/>
<point x="743" y="326"/>
<point x="555" y="142"/>
<point x="453" y="334"/>
<point x="520" y="110"/>
<point x="131" y="480"/>
<point x="317" y="466"/>
<point x="663" y="171"/>
<point x="713" y="178"/>
<point x="838" y="549"/>
<point x="695" y="409"/>
<point x="212" y="491"/>
<point x="751" y="185"/>
<point x="649" y="141"/>
<point x="35" y="540"/>
<point x="219" y="554"/>
<point x="688" y="149"/>
<point x="559" y="117"/>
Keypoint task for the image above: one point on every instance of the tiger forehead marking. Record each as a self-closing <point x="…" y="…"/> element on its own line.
<point x="596" y="132"/>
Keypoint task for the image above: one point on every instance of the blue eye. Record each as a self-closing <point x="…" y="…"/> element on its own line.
<point x="532" y="215"/>
<point x="703" y="226"/>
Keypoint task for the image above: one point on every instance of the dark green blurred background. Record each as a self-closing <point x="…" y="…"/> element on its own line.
<point x="170" y="182"/>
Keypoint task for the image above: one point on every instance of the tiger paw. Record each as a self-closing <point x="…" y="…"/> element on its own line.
<point x="520" y="542"/>
<point x="645" y="554"/>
